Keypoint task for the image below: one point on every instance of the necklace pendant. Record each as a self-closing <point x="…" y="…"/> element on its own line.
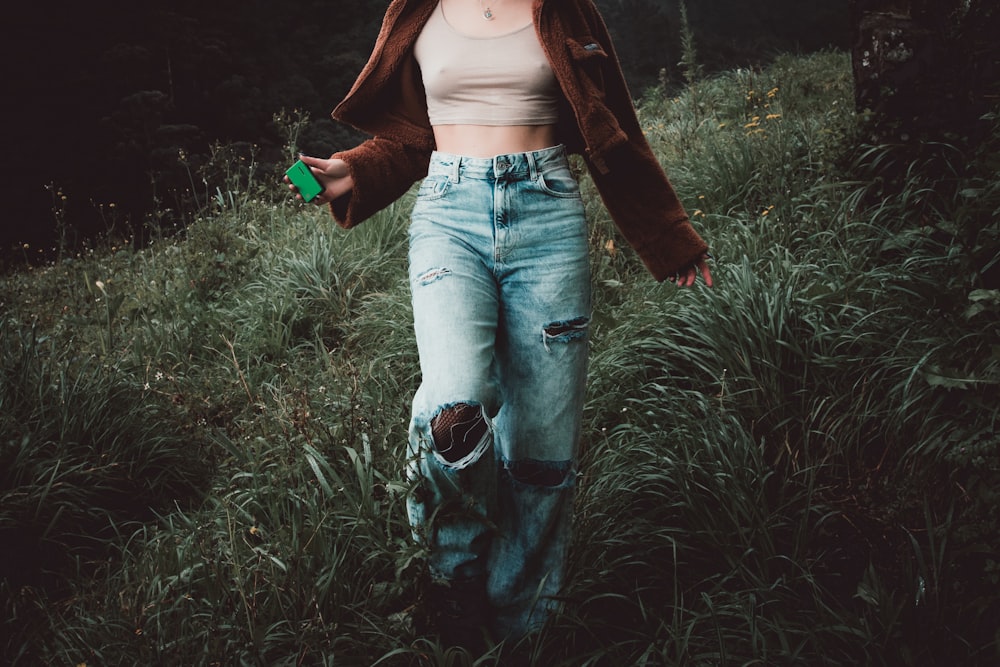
<point x="488" y="14"/>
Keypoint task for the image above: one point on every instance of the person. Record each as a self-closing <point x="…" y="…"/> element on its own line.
<point x="484" y="100"/>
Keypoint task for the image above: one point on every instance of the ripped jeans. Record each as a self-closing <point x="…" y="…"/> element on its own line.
<point x="501" y="298"/>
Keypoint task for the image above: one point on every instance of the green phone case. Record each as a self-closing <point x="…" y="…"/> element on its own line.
<point x="303" y="179"/>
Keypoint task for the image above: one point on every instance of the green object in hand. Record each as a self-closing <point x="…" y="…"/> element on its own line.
<point x="302" y="178"/>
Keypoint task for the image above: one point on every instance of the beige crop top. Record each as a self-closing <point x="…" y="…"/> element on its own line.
<point x="503" y="80"/>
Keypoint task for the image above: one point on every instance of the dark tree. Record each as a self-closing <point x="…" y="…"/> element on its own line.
<point x="928" y="74"/>
<point x="926" y="69"/>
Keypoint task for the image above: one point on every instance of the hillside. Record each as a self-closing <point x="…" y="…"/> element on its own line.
<point x="202" y="435"/>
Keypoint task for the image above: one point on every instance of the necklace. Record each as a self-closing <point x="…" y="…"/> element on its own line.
<point x="487" y="12"/>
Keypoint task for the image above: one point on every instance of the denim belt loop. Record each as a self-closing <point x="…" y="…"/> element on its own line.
<point x="456" y="169"/>
<point x="532" y="166"/>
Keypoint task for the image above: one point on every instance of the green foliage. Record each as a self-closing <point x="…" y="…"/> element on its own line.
<point x="689" y="64"/>
<point x="86" y="458"/>
<point x="798" y="466"/>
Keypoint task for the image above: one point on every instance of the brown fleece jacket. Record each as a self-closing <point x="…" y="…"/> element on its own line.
<point x="596" y="119"/>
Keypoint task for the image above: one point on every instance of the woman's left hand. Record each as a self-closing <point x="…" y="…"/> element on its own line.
<point x="688" y="275"/>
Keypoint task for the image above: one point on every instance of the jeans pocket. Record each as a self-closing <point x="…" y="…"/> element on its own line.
<point x="433" y="187"/>
<point x="559" y="183"/>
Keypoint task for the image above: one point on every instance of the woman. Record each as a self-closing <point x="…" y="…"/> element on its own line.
<point x="483" y="99"/>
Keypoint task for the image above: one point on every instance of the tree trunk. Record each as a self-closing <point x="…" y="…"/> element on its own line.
<point x="926" y="69"/>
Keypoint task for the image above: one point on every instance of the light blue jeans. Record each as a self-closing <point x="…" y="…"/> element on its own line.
<point x="501" y="299"/>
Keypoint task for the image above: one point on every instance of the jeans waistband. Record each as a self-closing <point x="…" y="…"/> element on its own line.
<point x="508" y="165"/>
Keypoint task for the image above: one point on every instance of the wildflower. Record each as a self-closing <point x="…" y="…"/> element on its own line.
<point x="767" y="210"/>
<point x="772" y="116"/>
<point x="100" y="285"/>
<point x="697" y="212"/>
<point x="772" y="93"/>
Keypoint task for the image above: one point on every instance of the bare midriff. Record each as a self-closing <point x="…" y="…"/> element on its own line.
<point x="490" y="140"/>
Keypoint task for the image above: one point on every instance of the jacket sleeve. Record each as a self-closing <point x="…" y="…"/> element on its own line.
<point x="646" y="209"/>
<point x="382" y="170"/>
<point x="626" y="172"/>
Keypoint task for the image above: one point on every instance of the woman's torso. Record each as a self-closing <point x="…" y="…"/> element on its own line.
<point x="509" y="20"/>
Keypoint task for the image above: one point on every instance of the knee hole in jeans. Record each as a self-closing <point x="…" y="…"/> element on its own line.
<point x="457" y="430"/>
<point x="538" y="473"/>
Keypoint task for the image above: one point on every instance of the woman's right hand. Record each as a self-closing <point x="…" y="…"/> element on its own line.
<point x="332" y="173"/>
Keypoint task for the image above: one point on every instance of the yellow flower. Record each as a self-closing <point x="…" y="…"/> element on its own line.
<point x="772" y="93"/>
<point x="772" y="116"/>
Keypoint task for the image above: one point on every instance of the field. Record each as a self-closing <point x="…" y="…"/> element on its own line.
<point x="202" y="436"/>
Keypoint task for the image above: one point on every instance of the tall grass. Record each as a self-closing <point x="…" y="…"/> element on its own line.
<point x="203" y="438"/>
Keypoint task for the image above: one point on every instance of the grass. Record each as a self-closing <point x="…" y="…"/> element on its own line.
<point x="202" y="438"/>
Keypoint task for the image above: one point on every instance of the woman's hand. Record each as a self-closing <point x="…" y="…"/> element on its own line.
<point x="332" y="174"/>
<point x="688" y="275"/>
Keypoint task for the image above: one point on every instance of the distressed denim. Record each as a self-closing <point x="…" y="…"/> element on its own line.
<point x="500" y="285"/>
